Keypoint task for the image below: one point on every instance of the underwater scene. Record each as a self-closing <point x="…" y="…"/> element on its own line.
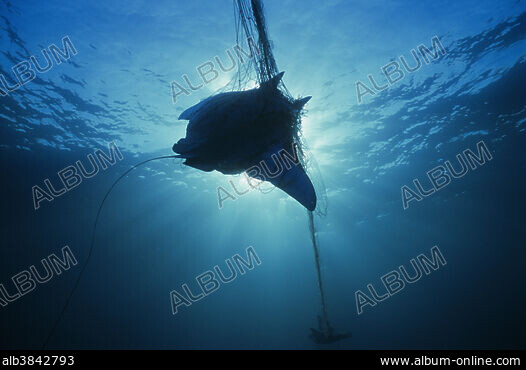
<point x="262" y="174"/>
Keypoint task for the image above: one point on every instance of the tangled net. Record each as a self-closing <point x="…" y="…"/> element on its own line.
<point x="251" y="31"/>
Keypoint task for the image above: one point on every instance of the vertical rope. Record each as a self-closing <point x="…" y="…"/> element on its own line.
<point x="250" y="18"/>
<point x="312" y="230"/>
<point x="267" y="63"/>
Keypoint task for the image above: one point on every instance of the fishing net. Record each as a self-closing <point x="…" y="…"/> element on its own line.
<point x="252" y="34"/>
<point x="205" y="139"/>
<point x="251" y="31"/>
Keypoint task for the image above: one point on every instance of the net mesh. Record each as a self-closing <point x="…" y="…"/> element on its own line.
<point x="251" y="32"/>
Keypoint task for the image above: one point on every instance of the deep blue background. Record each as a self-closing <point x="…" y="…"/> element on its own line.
<point x="162" y="226"/>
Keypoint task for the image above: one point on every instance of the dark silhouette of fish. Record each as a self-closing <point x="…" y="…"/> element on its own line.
<point x="249" y="131"/>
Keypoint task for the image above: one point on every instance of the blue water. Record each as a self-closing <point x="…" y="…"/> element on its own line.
<point x="162" y="227"/>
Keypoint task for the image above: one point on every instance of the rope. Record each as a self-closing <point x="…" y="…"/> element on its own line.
<point x="72" y="292"/>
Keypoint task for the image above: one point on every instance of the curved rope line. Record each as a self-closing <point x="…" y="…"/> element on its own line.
<point x="68" y="300"/>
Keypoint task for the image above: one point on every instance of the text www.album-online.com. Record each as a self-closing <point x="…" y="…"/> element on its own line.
<point x="445" y="361"/>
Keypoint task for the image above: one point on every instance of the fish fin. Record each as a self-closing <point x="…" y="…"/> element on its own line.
<point x="273" y="82"/>
<point x="184" y="148"/>
<point x="284" y="171"/>
<point x="190" y="112"/>
<point x="196" y="163"/>
<point x="300" y="103"/>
